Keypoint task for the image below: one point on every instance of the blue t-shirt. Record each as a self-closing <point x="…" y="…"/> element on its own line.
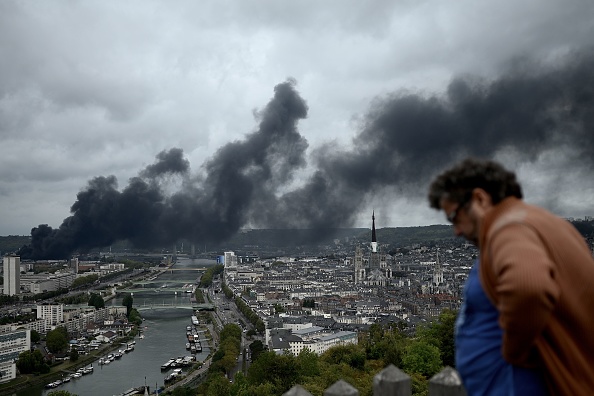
<point x="478" y="349"/>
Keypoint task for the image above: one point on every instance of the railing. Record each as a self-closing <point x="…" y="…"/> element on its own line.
<point x="392" y="381"/>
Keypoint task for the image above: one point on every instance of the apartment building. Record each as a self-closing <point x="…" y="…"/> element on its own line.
<point x="12" y="343"/>
<point x="53" y="313"/>
<point x="12" y="275"/>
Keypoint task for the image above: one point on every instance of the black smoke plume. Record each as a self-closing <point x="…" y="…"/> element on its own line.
<point x="404" y="140"/>
<point x="205" y="209"/>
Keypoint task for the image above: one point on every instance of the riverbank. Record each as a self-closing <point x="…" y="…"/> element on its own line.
<point x="58" y="371"/>
<point x="164" y="337"/>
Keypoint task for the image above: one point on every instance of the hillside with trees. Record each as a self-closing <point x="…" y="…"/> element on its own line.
<point x="421" y="355"/>
<point x="256" y="239"/>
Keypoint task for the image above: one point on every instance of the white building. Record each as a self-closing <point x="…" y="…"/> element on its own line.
<point x="41" y="283"/>
<point x="63" y="280"/>
<point x="54" y="314"/>
<point x="39" y="326"/>
<point x="230" y="265"/>
<point x="12" y="275"/>
<point x="111" y="267"/>
<point x="230" y="260"/>
<point x="42" y="286"/>
<point x="74" y="264"/>
<point x="315" y="339"/>
<point x="12" y="343"/>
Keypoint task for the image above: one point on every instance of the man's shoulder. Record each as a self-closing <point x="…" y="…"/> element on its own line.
<point x="508" y="211"/>
<point x="516" y="211"/>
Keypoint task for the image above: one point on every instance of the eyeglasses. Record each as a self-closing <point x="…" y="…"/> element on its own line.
<point x="453" y="215"/>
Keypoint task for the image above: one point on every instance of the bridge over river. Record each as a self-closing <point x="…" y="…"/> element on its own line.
<point x="169" y="305"/>
<point x="155" y="289"/>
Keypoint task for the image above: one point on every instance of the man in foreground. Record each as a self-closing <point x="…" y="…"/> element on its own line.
<point x="535" y="268"/>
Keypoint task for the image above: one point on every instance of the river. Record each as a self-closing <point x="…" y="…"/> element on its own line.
<point x="164" y="338"/>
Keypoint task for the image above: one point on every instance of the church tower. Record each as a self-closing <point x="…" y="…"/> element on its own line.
<point x="374" y="259"/>
<point x="372" y="269"/>
<point x="359" y="270"/>
<point x="437" y="272"/>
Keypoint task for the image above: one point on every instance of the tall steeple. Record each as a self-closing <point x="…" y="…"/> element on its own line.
<point x="437" y="271"/>
<point x="373" y="237"/>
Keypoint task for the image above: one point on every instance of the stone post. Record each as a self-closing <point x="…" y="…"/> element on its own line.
<point x="446" y="383"/>
<point x="297" y="390"/>
<point x="341" y="388"/>
<point x="392" y="381"/>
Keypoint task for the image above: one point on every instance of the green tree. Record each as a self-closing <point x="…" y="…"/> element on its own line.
<point x="84" y="280"/>
<point x="376" y="333"/>
<point x="265" y="389"/>
<point x="350" y="354"/>
<point x="35" y="337"/>
<point x="96" y="301"/>
<point x="73" y="355"/>
<point x="441" y="334"/>
<point x="206" y="279"/>
<point x="26" y="362"/>
<point x="127" y="301"/>
<point x="231" y="331"/>
<point x="57" y="340"/>
<point x="279" y="370"/>
<point x="135" y="317"/>
<point x="393" y="349"/>
<point x="260" y="326"/>
<point x="256" y="348"/>
<point x="423" y="358"/>
<point x="218" y="386"/>
<point x="228" y="362"/>
<point x="308" y="363"/>
<point x="420" y="385"/>
<point x="447" y="325"/>
<point x="32" y="362"/>
<point x="183" y="391"/>
<point x="386" y="344"/>
<point x="208" y="276"/>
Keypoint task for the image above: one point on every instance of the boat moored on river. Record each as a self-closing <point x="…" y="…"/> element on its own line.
<point x="167" y="364"/>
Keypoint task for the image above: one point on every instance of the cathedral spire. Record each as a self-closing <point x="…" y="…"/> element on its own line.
<point x="373" y="238"/>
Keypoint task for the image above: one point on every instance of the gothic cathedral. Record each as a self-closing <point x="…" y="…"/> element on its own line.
<point x="372" y="269"/>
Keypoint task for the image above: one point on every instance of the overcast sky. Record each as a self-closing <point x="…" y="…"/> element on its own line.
<point x="101" y="88"/>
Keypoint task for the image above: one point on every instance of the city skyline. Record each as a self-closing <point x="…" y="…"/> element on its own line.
<point x="162" y="100"/>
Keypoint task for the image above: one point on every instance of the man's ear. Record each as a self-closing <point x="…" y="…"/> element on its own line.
<point x="482" y="199"/>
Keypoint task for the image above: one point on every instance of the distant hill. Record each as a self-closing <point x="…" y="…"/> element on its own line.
<point x="12" y="243"/>
<point x="289" y="238"/>
<point x="407" y="236"/>
<point x="257" y="239"/>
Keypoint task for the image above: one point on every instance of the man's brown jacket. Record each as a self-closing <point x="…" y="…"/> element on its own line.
<point x="539" y="272"/>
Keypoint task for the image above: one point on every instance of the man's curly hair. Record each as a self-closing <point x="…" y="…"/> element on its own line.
<point x="456" y="184"/>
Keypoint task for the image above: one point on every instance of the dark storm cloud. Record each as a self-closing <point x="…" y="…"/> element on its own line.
<point x="405" y="139"/>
